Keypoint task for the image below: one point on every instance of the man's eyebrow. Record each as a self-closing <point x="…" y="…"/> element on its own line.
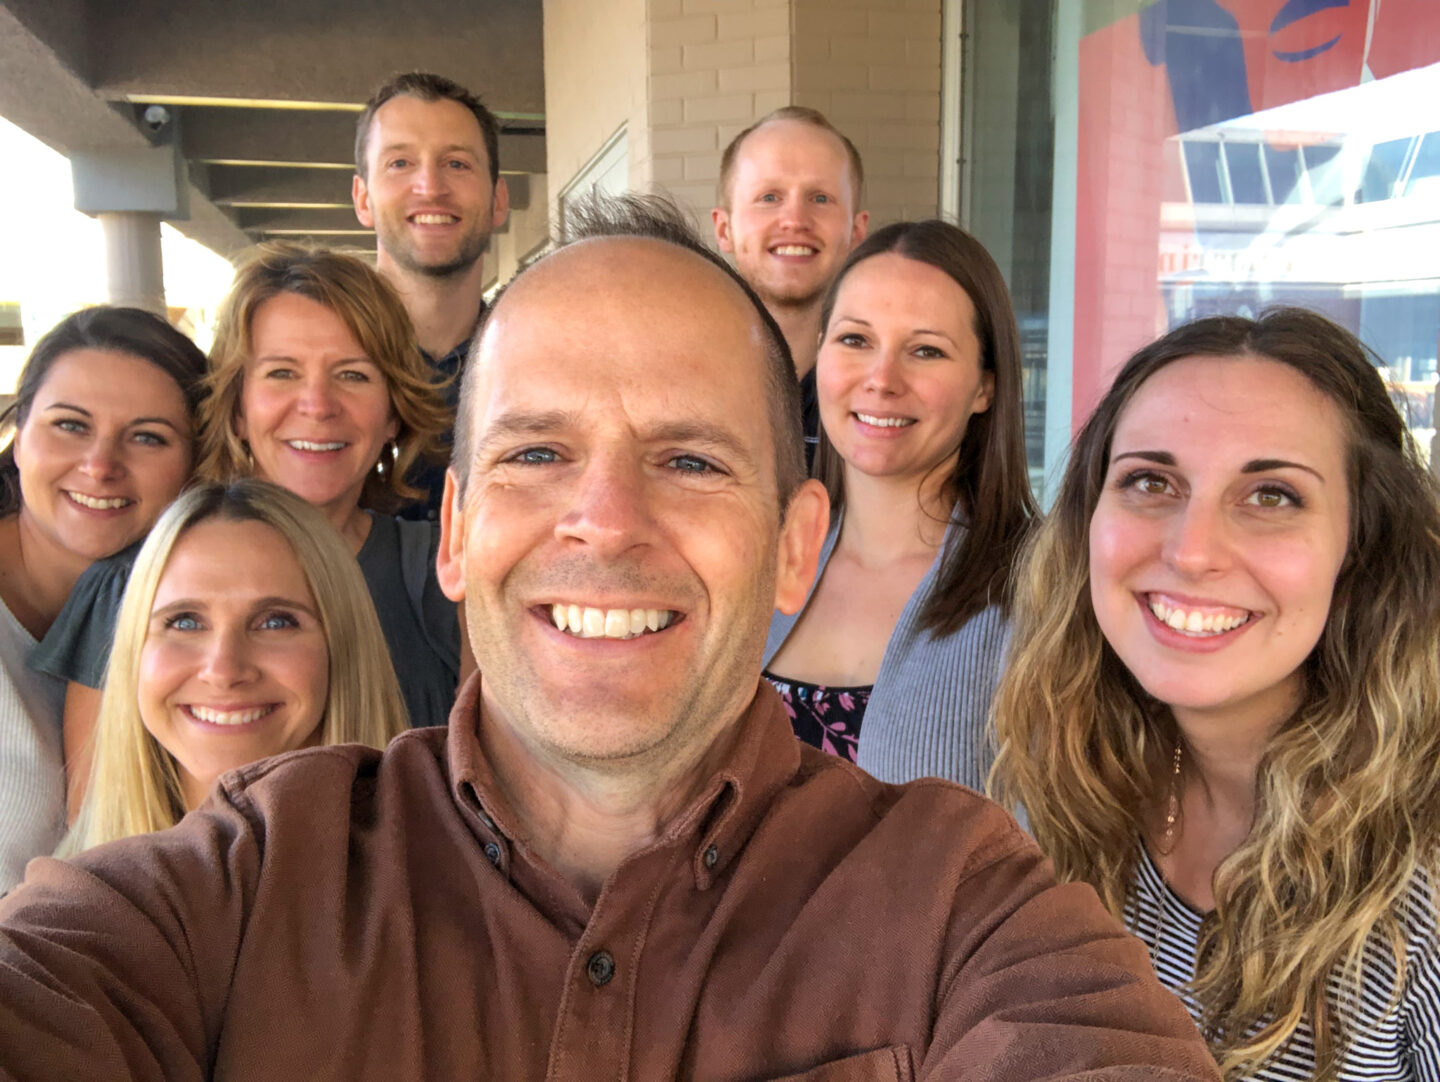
<point x="409" y="145"/>
<point x="703" y="433"/>
<point x="523" y="423"/>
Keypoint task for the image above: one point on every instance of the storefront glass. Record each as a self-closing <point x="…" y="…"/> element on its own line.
<point x="1224" y="156"/>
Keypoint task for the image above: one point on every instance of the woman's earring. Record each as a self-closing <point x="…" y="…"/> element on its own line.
<point x="385" y="464"/>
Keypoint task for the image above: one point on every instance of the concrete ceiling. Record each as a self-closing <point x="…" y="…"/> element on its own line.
<point x="263" y="95"/>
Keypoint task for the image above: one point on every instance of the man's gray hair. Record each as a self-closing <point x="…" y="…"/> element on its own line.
<point x="655" y="217"/>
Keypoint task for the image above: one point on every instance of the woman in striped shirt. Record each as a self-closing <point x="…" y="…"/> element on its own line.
<point x="1224" y="713"/>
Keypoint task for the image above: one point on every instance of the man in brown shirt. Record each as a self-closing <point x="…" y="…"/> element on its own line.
<point x="617" y="863"/>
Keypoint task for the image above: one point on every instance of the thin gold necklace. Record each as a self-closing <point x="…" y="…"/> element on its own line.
<point x="1166" y="845"/>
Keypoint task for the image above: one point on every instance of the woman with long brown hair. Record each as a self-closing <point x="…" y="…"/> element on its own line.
<point x="923" y="453"/>
<point x="1224" y="708"/>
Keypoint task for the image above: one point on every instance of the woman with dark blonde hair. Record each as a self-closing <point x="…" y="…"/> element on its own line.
<point x="245" y="631"/>
<point x="1224" y="709"/>
<point x="922" y="450"/>
<point x="317" y="385"/>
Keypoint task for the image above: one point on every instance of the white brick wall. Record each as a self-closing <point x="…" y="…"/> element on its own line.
<point x="715" y="65"/>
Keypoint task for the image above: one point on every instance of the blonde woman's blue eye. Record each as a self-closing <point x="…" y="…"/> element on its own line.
<point x="185" y="621"/>
<point x="279" y="621"/>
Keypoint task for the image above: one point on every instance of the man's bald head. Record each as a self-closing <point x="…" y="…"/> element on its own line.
<point x="656" y="219"/>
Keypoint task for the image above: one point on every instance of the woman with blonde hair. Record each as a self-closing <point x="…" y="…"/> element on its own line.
<point x="317" y="385"/>
<point x="1224" y="708"/>
<point x="246" y="630"/>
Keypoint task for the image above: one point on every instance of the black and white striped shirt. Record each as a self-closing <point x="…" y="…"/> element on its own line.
<point x="1393" y="1043"/>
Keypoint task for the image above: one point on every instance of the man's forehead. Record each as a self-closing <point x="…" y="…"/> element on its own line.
<point x="789" y="141"/>
<point x="397" y="119"/>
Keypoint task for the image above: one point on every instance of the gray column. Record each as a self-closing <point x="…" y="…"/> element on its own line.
<point x="133" y="268"/>
<point x="130" y="190"/>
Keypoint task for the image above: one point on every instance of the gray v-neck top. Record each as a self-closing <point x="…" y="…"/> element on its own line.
<point x="928" y="715"/>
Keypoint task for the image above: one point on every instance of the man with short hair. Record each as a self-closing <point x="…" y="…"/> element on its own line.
<point x="427" y="180"/>
<point x="618" y="862"/>
<point x="790" y="191"/>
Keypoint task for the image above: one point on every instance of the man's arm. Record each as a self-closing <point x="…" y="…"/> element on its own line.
<point x="1046" y="984"/>
<point x="118" y="964"/>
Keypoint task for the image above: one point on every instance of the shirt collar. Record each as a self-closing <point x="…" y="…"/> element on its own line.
<point x="764" y="757"/>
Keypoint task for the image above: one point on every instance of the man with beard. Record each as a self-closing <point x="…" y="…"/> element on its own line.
<point x="427" y="180"/>
<point x="790" y="188"/>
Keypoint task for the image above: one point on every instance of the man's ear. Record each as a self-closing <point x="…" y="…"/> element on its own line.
<point x="859" y="228"/>
<point x="360" y="196"/>
<point x="500" y="207"/>
<point x="450" y="560"/>
<point x="721" y="218"/>
<point x="801" y="537"/>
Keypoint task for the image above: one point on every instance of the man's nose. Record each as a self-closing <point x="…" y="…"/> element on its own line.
<point x="610" y="508"/>
<point x="428" y="178"/>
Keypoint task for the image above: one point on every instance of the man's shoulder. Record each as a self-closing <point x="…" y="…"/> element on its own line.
<point x="928" y="814"/>
<point x="336" y="776"/>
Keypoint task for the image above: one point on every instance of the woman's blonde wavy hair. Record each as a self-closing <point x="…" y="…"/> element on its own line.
<point x="1348" y="791"/>
<point x="134" y="784"/>
<point x="372" y="311"/>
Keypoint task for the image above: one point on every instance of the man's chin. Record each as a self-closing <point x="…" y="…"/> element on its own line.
<point x="439" y="267"/>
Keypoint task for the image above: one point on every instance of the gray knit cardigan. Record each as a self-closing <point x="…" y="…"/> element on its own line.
<point x="928" y="715"/>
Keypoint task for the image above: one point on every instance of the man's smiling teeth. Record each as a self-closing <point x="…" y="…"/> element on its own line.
<point x="885" y="422"/>
<point x="434" y="219"/>
<point x="793" y="249"/>
<point x="114" y="503"/>
<point x="1194" y="622"/>
<point x="590" y="623"/>
<point x="313" y="445"/>
<point x="230" y="717"/>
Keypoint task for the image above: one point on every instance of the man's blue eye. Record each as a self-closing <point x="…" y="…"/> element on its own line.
<point x="536" y="456"/>
<point x="691" y="464"/>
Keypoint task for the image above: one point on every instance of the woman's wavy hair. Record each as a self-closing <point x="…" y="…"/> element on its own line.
<point x="1348" y="789"/>
<point x="134" y="784"/>
<point x="989" y="479"/>
<point x="121" y="330"/>
<point x="372" y="311"/>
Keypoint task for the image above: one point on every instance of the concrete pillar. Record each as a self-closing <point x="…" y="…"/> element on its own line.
<point x="130" y="190"/>
<point x="133" y="269"/>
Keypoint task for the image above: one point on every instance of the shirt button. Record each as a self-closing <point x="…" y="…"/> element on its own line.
<point x="712" y="857"/>
<point x="492" y="851"/>
<point x="600" y="968"/>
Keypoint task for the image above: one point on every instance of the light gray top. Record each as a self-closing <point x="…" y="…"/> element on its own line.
<point x="928" y="715"/>
<point x="32" y="755"/>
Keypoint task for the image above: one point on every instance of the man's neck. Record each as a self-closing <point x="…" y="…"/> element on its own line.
<point x="443" y="310"/>
<point x="801" y="326"/>
<point x="582" y="821"/>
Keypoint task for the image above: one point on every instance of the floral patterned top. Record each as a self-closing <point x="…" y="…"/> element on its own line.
<point x="824" y="718"/>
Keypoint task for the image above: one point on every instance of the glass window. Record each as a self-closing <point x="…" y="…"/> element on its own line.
<point x="1208" y="157"/>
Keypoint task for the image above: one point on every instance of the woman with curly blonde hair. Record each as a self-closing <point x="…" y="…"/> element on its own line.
<point x="245" y="631"/>
<point x="1223" y="710"/>
<point x="316" y="384"/>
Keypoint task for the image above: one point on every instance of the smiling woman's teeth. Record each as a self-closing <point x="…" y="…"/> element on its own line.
<point x="1192" y="622"/>
<point x="312" y="445"/>
<point x="885" y="422"/>
<point x="230" y="717"/>
<point x="590" y="623"/>
<point x="114" y="503"/>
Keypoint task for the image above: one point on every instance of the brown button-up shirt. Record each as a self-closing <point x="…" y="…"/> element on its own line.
<point x="344" y="914"/>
